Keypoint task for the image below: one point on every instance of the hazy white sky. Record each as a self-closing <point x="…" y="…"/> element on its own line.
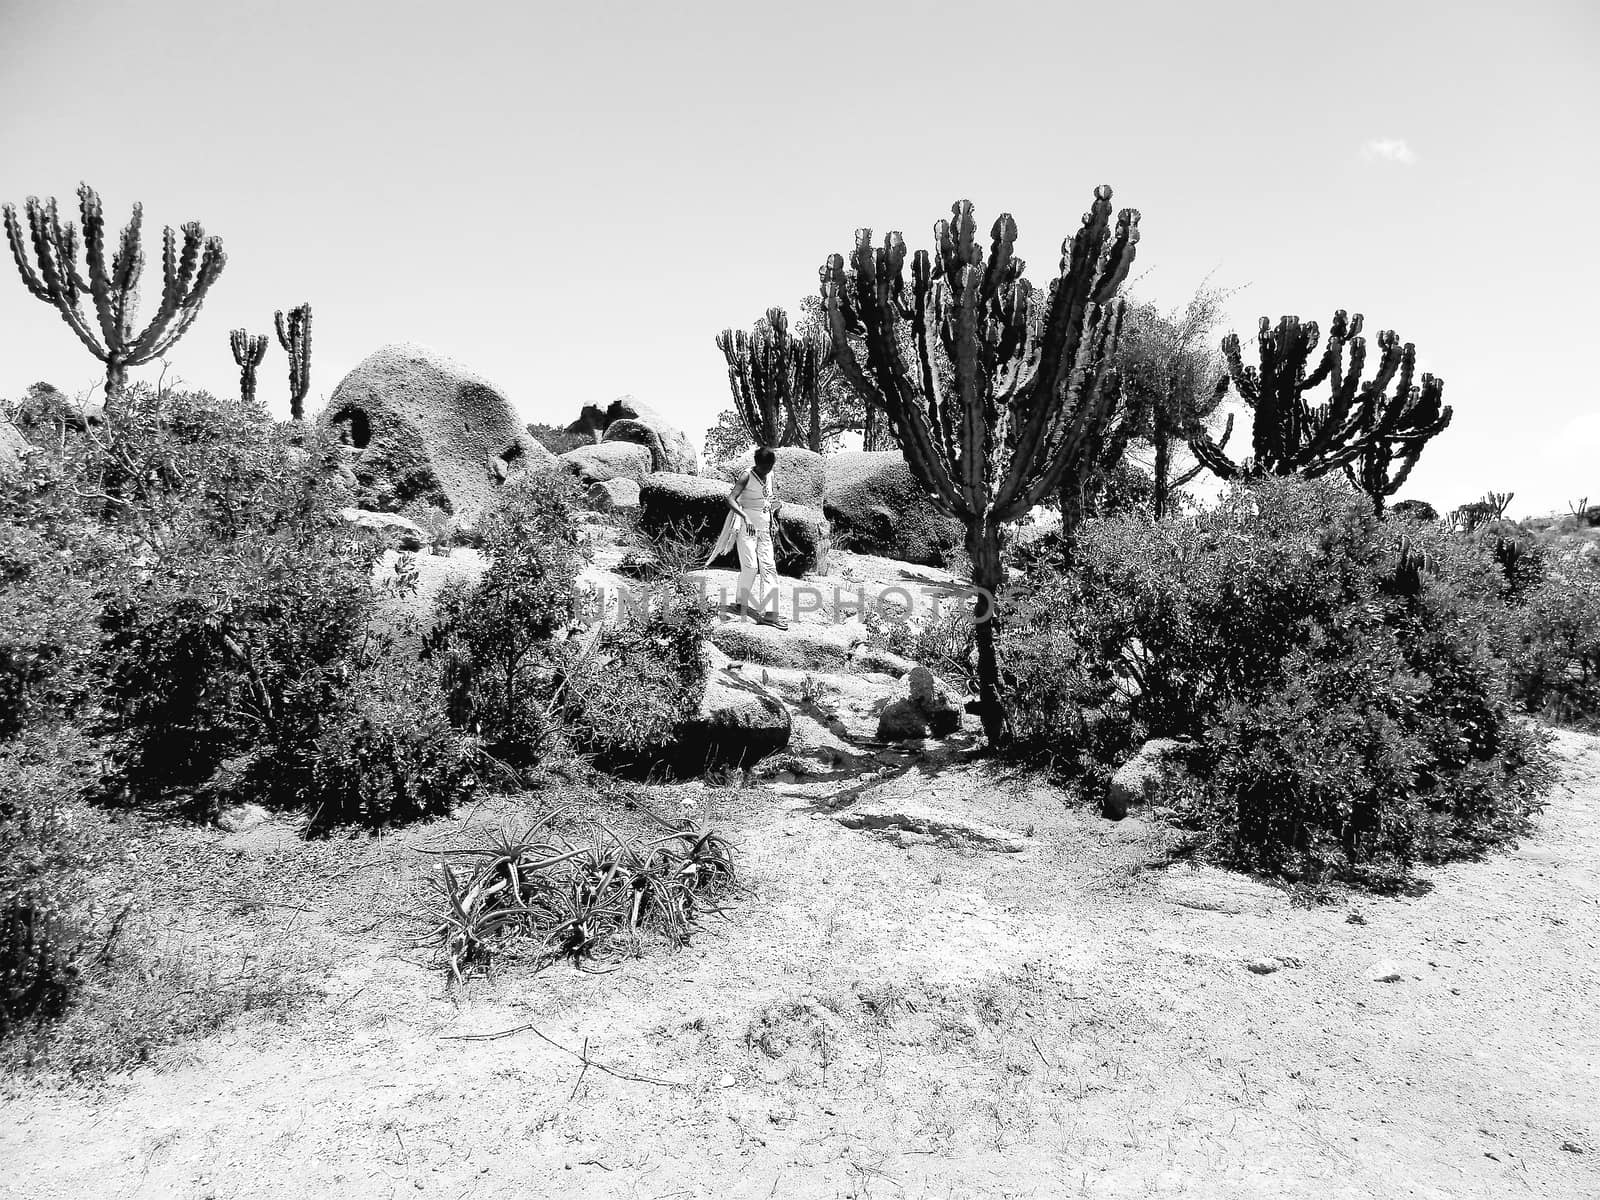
<point x="573" y="200"/>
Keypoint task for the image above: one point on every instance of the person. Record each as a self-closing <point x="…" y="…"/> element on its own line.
<point x="749" y="527"/>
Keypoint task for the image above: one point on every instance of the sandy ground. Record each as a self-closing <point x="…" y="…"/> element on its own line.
<point x="892" y="1020"/>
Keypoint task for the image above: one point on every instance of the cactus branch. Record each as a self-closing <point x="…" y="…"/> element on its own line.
<point x="113" y="288"/>
<point x="776" y="381"/>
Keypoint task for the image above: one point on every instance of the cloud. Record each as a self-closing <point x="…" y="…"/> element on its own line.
<point x="1393" y="150"/>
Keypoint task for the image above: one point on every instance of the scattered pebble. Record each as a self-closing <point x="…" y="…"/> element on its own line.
<point x="726" y="1081"/>
<point x="1262" y="966"/>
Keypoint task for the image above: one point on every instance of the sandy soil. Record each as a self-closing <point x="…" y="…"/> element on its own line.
<point x="879" y="1019"/>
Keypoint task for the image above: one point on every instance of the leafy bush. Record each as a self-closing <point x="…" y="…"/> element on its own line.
<point x="51" y="842"/>
<point x="1552" y="641"/>
<point x="640" y="676"/>
<point x="389" y="754"/>
<point x="940" y="639"/>
<point x="1338" y="672"/>
<point x="494" y="641"/>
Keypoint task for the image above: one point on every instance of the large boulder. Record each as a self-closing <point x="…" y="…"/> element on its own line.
<point x="627" y="420"/>
<point x="738" y="724"/>
<point x="608" y="460"/>
<point x="697" y="507"/>
<point x="876" y="506"/>
<point x="423" y="429"/>
<point x="800" y="474"/>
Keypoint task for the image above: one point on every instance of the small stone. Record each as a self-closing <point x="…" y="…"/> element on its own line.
<point x="1385" y="971"/>
<point x="241" y="817"/>
<point x="726" y="1081"/>
<point x="1262" y="966"/>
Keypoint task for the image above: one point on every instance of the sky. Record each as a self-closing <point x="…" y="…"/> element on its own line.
<point x="573" y="200"/>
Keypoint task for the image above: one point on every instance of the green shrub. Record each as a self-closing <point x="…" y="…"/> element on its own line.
<point x="640" y="676"/>
<point x="1340" y="674"/>
<point x="1552" y="641"/>
<point x="51" y="843"/>
<point x="495" y="640"/>
<point x="389" y="754"/>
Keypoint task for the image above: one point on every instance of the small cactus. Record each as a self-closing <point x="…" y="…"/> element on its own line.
<point x="294" y="335"/>
<point x="248" y="350"/>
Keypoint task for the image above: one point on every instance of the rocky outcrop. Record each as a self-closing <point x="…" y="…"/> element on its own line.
<point x="739" y="723"/>
<point x="1147" y="777"/>
<point x="422" y="429"/>
<point x="608" y="460"/>
<point x="627" y="420"/>
<point x="697" y="507"/>
<point x="876" y="506"/>
<point x="909" y="821"/>
<point x="614" y="495"/>
<point x="800" y="474"/>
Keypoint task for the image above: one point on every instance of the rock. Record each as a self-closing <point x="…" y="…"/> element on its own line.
<point x="591" y="422"/>
<point x="934" y="701"/>
<point x="608" y="460"/>
<point x="872" y="659"/>
<point x="1262" y="966"/>
<point x="877" y="507"/>
<point x="407" y="616"/>
<point x="1145" y="778"/>
<point x="425" y="430"/>
<point x="805" y="540"/>
<point x="240" y="817"/>
<point x="627" y="420"/>
<point x="739" y="723"/>
<point x="1386" y="971"/>
<point x="899" y="816"/>
<point x="397" y="532"/>
<point x="801" y="647"/>
<point x="800" y="474"/>
<point x="614" y="495"/>
<point x="698" y="506"/>
<point x="902" y="720"/>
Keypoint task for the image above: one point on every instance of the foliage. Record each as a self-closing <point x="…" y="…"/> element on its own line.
<point x="544" y="895"/>
<point x="941" y="639"/>
<point x="1339" y="674"/>
<point x="494" y="641"/>
<point x="389" y="754"/>
<point x="51" y="843"/>
<point x="1552" y="642"/>
<point x="558" y="439"/>
<point x="641" y="675"/>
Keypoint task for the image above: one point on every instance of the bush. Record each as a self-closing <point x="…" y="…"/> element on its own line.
<point x="494" y="640"/>
<point x="390" y="754"/>
<point x="51" y="843"/>
<point x="1339" y="673"/>
<point x="641" y="676"/>
<point x="1552" y="641"/>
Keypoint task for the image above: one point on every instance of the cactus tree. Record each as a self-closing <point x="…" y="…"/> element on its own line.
<point x="294" y="335"/>
<point x="775" y="382"/>
<point x="248" y="350"/>
<point x="114" y="290"/>
<point x="998" y="411"/>
<point x="1364" y="428"/>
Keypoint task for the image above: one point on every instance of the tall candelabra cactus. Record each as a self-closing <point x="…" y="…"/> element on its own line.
<point x="294" y="335"/>
<point x="248" y="350"/>
<point x="998" y="410"/>
<point x="776" y="381"/>
<point x="1373" y="433"/>
<point x="109" y="333"/>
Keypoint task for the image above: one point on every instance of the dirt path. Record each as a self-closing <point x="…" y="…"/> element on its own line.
<point x="893" y="1021"/>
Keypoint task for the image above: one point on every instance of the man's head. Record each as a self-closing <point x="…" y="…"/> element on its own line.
<point x="766" y="458"/>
